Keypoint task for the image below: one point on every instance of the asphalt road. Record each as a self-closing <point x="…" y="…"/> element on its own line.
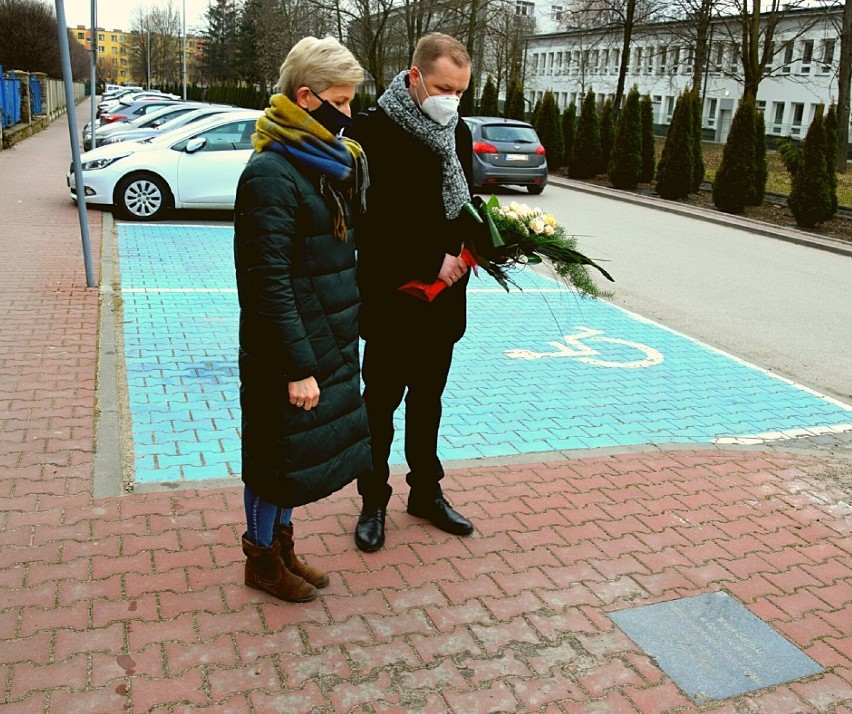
<point x="785" y="307"/>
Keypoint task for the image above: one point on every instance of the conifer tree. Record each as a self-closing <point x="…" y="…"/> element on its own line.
<point x="674" y="172"/>
<point x="649" y="153"/>
<point x="488" y="106"/>
<point x="514" y="106"/>
<point x="625" y="166"/>
<point x="735" y="176"/>
<point x="761" y="168"/>
<point x="586" y="159"/>
<point x="536" y="110"/>
<point x="831" y="143"/>
<point x="607" y="121"/>
<point x="549" y="130"/>
<point x="569" y="131"/>
<point x="697" y="142"/>
<point x="810" y="195"/>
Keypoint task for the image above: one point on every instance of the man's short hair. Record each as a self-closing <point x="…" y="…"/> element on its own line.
<point x="435" y="45"/>
<point x="318" y="64"/>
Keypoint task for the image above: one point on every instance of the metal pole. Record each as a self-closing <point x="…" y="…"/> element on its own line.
<point x="183" y="51"/>
<point x="148" y="28"/>
<point x="94" y="76"/>
<point x="68" y="77"/>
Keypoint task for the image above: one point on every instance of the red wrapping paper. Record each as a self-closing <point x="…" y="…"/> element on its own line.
<point x="429" y="291"/>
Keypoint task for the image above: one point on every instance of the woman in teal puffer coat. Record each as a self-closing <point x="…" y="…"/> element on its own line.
<point x="304" y="427"/>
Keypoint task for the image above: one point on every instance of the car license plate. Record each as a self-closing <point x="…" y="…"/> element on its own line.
<point x="516" y="157"/>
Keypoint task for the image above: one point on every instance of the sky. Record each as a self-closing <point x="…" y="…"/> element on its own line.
<point x="116" y="14"/>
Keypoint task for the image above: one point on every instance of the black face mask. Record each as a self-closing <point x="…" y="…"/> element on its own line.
<point x="330" y="116"/>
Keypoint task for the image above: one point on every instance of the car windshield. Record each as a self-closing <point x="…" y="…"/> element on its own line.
<point x="509" y="133"/>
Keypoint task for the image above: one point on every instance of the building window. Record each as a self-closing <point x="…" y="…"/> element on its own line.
<point x="595" y="61"/>
<point x="788" y="57"/>
<point x="637" y="60"/>
<point x="778" y="118"/>
<point x="101" y="48"/>
<point x="798" y="114"/>
<point x="807" y="56"/>
<point x="81" y="36"/>
<point x="100" y="38"/>
<point x="664" y="51"/>
<point x="524" y="8"/>
<point x="115" y="50"/>
<point x="556" y="13"/>
<point x="669" y="109"/>
<point x="113" y="38"/>
<point x="711" y="113"/>
<point x="675" y="59"/>
<point x="827" y="55"/>
<point x="616" y="61"/>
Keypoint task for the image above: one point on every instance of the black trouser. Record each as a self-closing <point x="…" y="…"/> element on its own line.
<point x="389" y="368"/>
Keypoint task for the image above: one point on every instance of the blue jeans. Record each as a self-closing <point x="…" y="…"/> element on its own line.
<point x="261" y="518"/>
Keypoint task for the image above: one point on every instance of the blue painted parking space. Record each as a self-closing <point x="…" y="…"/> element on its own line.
<point x="540" y="369"/>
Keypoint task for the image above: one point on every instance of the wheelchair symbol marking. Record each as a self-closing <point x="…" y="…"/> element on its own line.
<point x="574" y="347"/>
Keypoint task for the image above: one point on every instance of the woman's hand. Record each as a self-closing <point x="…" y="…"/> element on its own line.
<point x="304" y="394"/>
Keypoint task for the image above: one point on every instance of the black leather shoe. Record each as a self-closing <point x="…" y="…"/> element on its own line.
<point x="370" y="531"/>
<point x="441" y="514"/>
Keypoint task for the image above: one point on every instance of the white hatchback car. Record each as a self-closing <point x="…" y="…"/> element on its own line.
<point x="195" y="166"/>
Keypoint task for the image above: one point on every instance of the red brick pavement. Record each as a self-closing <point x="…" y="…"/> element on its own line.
<point x="135" y="604"/>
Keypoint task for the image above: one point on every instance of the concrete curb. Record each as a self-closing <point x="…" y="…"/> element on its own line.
<point x="766" y="229"/>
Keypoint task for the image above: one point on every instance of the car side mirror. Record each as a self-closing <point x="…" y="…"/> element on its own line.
<point x="195" y="144"/>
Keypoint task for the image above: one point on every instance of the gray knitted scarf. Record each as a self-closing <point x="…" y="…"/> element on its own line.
<point x="400" y="107"/>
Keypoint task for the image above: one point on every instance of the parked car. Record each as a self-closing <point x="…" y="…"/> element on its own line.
<point x="507" y="152"/>
<point x="130" y="97"/>
<point x="129" y="112"/>
<point x="196" y="166"/>
<point x="154" y="126"/>
<point x="161" y="113"/>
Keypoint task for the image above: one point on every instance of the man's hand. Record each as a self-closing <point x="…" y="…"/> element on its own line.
<point x="452" y="270"/>
<point x="304" y="394"/>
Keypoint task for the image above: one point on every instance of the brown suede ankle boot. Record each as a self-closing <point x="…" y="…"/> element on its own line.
<point x="266" y="571"/>
<point x="284" y="536"/>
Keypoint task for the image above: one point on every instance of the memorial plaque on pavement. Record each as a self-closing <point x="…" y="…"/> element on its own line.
<point x="713" y="647"/>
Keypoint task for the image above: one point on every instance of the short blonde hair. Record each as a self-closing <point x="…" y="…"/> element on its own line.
<point x="318" y="64"/>
<point x="435" y="45"/>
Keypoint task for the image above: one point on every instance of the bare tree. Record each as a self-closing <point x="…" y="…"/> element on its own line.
<point x="155" y="46"/>
<point x="29" y="40"/>
<point x="843" y="87"/>
<point x="626" y="14"/>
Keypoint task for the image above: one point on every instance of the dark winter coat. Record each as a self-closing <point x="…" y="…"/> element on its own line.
<point x="298" y="318"/>
<point x="405" y="233"/>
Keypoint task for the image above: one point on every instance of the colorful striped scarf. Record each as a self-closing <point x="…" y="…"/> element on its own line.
<point x="286" y="128"/>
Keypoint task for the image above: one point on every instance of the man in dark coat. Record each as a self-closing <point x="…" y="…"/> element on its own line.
<point x="420" y="154"/>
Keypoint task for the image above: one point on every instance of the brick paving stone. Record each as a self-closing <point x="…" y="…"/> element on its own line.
<point x="298" y="669"/>
<point x="496" y="698"/>
<point x="303" y="701"/>
<point x="366" y="659"/>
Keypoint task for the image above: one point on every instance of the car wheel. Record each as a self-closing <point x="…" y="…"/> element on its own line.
<point x="142" y="197"/>
<point x="535" y="189"/>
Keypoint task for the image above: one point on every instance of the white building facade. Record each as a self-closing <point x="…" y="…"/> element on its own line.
<point x="801" y="79"/>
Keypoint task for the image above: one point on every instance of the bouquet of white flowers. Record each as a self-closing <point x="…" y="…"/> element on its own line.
<point x="520" y="235"/>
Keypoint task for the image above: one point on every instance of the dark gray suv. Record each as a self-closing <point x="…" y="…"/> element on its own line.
<point x="507" y="152"/>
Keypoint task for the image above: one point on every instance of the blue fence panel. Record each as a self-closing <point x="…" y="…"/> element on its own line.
<point x="35" y="97"/>
<point x="10" y="99"/>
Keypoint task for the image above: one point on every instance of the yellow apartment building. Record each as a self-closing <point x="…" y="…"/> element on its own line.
<point x="114" y="47"/>
<point x="113" y="53"/>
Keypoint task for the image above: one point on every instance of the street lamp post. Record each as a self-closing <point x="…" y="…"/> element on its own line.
<point x="94" y="70"/>
<point x="148" y="61"/>
<point x="183" y="51"/>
